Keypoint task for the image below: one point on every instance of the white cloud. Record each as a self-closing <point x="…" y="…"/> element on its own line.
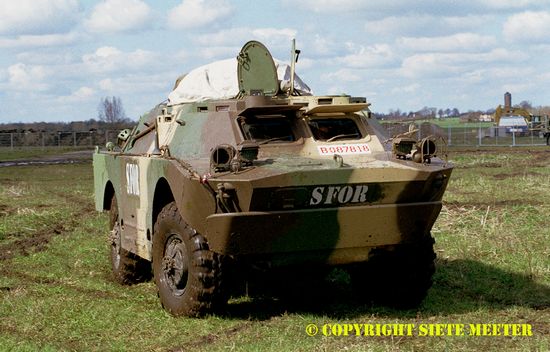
<point x="411" y="88"/>
<point x="528" y="27"/>
<point x="198" y="13"/>
<point x="106" y="84"/>
<point x="218" y="52"/>
<point x="437" y="7"/>
<point x="331" y="6"/>
<point x="46" y="40"/>
<point x="80" y="95"/>
<point x="48" y="56"/>
<point x="37" y="16"/>
<point x="23" y="77"/>
<point x="516" y="87"/>
<point x="343" y="75"/>
<point x="230" y="35"/>
<point x="118" y="16"/>
<point x="456" y="42"/>
<point x="515" y="4"/>
<point x="83" y="93"/>
<point x="502" y="55"/>
<point x="378" y="55"/>
<point x="414" y="25"/>
<point x="108" y="59"/>
<point x="448" y="64"/>
<point x="227" y="43"/>
<point x="271" y="37"/>
<point x="322" y="45"/>
<point x="305" y="63"/>
<point x="274" y="36"/>
<point x="130" y="85"/>
<point x="507" y="72"/>
<point x="336" y="90"/>
<point x="462" y="23"/>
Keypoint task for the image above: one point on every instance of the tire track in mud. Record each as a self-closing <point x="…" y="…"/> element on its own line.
<point x="213" y="338"/>
<point x="39" y="239"/>
<point x="497" y="204"/>
<point x="30" y="279"/>
<point x="11" y="329"/>
<point x="77" y="157"/>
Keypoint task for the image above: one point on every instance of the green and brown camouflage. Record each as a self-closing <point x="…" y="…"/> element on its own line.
<point x="269" y="177"/>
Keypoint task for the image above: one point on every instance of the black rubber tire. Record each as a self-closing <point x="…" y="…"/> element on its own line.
<point x="187" y="274"/>
<point x="397" y="277"/>
<point x="128" y="268"/>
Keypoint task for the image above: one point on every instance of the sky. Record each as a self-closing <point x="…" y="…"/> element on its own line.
<point x="58" y="58"/>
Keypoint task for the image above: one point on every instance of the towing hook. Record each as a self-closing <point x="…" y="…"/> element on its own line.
<point x="338" y="160"/>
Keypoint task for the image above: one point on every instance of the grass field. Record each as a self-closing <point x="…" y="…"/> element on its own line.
<point x="493" y="266"/>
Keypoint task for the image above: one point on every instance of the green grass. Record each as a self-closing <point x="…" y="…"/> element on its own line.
<point x="56" y="291"/>
<point x="455" y="122"/>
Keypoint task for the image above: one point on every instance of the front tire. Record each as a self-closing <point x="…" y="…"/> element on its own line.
<point x="187" y="274"/>
<point x="398" y="277"/>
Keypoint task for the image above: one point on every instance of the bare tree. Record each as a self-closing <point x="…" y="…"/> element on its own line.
<point x="525" y="105"/>
<point x="110" y="110"/>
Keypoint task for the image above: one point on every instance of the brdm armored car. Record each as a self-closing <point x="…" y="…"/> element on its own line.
<point x="242" y="164"/>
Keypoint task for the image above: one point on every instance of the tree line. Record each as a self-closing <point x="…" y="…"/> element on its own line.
<point x="110" y="116"/>
<point x="432" y="112"/>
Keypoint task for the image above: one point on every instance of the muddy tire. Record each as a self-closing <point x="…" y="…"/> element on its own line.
<point x="128" y="268"/>
<point x="187" y="274"/>
<point x="398" y="277"/>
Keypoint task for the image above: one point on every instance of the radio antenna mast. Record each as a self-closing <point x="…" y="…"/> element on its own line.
<point x="293" y="60"/>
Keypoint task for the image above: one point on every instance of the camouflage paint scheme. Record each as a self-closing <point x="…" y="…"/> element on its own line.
<point x="297" y="203"/>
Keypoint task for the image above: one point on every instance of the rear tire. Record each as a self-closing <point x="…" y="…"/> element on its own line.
<point x="187" y="274"/>
<point x="397" y="277"/>
<point x="128" y="268"/>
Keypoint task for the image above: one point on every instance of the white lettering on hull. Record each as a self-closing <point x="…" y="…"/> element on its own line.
<point x="132" y="179"/>
<point x="338" y="194"/>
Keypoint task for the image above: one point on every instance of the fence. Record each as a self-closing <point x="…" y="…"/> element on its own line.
<point x="475" y="136"/>
<point x="56" y="139"/>
<point x="455" y="136"/>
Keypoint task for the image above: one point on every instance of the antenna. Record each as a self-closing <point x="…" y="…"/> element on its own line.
<point x="293" y="60"/>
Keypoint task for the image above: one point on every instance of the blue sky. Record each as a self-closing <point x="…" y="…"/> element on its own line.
<point x="58" y="58"/>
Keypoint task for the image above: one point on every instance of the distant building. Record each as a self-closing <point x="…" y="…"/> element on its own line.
<point x="513" y="123"/>
<point x="507" y="100"/>
<point x="486" y="117"/>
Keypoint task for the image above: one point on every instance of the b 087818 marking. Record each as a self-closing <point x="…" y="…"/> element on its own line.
<point x="344" y="149"/>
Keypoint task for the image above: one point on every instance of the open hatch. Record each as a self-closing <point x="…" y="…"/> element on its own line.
<point x="256" y="70"/>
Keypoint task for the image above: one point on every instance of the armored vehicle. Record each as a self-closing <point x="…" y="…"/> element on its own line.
<point x="244" y="165"/>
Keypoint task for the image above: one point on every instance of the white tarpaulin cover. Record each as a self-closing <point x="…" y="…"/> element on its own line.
<point x="218" y="80"/>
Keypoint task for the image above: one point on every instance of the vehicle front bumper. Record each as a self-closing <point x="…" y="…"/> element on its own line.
<point x="334" y="236"/>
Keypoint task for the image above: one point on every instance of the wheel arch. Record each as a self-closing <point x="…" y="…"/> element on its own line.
<point x="163" y="195"/>
<point x="108" y="194"/>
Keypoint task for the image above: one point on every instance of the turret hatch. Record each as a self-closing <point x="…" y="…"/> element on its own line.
<point x="256" y="70"/>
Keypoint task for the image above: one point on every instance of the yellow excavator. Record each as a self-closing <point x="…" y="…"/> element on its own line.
<point x="539" y="123"/>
